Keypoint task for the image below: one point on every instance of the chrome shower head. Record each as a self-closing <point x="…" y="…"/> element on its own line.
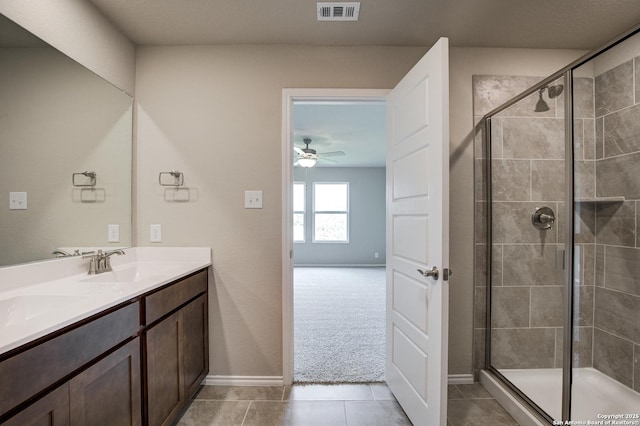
<point x="555" y="91"/>
<point x="541" y="106"/>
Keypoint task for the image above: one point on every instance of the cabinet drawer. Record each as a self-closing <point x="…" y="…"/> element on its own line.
<point x="27" y="373"/>
<point x="169" y="298"/>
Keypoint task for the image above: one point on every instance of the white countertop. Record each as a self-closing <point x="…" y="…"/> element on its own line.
<point x="39" y="298"/>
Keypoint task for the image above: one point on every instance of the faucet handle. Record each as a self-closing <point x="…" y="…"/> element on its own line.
<point x="93" y="262"/>
<point x="94" y="258"/>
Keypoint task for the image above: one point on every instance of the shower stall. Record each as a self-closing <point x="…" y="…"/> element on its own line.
<point x="557" y="246"/>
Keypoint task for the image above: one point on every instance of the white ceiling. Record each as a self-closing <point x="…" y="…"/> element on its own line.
<point x="357" y="128"/>
<point x="579" y="24"/>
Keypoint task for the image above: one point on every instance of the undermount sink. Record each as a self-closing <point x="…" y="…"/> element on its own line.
<point x="129" y="274"/>
<point x="25" y="307"/>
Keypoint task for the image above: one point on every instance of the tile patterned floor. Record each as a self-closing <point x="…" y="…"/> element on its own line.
<point x="473" y="405"/>
<point x="334" y="405"/>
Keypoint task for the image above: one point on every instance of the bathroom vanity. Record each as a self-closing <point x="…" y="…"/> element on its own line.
<point x="124" y="347"/>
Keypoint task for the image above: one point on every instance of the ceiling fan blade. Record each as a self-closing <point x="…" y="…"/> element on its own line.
<point x="329" y="160"/>
<point x="332" y="154"/>
<point x="298" y="150"/>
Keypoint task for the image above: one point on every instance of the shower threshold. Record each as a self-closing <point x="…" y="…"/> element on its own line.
<point x="593" y="396"/>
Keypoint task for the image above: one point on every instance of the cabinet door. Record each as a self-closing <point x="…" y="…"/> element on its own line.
<point x="108" y="392"/>
<point x="165" y="388"/>
<point x="195" y="343"/>
<point x="52" y="409"/>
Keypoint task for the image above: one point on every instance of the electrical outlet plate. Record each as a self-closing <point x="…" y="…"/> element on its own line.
<point x="113" y="233"/>
<point x="155" y="233"/>
<point x="252" y="199"/>
<point x="17" y="201"/>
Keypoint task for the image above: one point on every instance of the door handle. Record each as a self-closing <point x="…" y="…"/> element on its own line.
<point x="433" y="273"/>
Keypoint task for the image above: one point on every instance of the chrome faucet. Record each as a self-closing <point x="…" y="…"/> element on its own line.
<point x="60" y="253"/>
<point x="101" y="261"/>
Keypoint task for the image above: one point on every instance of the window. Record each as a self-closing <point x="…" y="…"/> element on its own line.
<point x="331" y="212"/>
<point x="298" y="212"/>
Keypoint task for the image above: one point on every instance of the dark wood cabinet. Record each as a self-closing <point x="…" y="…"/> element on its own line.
<point x="109" y="392"/>
<point x="49" y="361"/>
<point x="195" y="344"/>
<point x="137" y="363"/>
<point x="165" y="394"/>
<point x="44" y="375"/>
<point x="106" y="393"/>
<point x="176" y="348"/>
<point x="50" y="410"/>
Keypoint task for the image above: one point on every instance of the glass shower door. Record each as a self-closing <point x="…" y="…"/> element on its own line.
<point x="527" y="174"/>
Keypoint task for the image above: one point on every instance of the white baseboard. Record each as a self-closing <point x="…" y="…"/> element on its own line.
<point x="212" y="380"/>
<point x="460" y="379"/>
<point x="345" y="265"/>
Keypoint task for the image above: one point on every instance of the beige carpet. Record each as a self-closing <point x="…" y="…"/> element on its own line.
<point x="339" y="325"/>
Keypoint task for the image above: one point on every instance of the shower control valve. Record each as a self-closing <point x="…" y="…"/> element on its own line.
<point x="543" y="218"/>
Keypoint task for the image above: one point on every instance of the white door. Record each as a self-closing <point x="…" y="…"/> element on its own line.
<point x="418" y="238"/>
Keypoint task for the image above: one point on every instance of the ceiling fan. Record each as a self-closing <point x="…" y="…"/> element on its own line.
<point x="307" y="157"/>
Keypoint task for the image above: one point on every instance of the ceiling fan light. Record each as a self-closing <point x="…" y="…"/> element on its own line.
<point x="306" y="162"/>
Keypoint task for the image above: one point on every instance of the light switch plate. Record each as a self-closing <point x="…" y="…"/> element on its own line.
<point x="155" y="233"/>
<point x="252" y="199"/>
<point x="113" y="234"/>
<point x="17" y="201"/>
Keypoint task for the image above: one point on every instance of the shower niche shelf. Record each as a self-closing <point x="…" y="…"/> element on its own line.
<point x="601" y="200"/>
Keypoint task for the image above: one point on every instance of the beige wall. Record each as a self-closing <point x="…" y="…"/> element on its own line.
<point x="79" y="30"/>
<point x="214" y="113"/>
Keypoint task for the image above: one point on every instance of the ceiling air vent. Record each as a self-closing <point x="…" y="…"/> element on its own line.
<point x="338" y="11"/>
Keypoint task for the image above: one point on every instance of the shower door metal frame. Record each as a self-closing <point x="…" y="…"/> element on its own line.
<point x="567" y="350"/>
<point x="567" y="355"/>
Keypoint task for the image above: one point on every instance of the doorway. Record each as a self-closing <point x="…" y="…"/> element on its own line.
<point x="417" y="229"/>
<point x="328" y="253"/>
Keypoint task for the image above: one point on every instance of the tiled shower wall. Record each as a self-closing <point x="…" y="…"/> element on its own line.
<point x="489" y="92"/>
<point x="528" y="171"/>
<point x="616" y="337"/>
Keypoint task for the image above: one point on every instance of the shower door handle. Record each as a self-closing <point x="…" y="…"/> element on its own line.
<point x="433" y="273"/>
